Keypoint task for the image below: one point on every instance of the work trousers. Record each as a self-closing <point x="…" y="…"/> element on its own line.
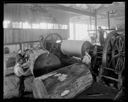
<point x="21" y="86"/>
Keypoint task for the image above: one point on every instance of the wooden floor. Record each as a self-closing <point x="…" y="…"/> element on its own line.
<point x="96" y="91"/>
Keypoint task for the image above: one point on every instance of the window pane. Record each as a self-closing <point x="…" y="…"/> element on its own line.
<point x="6" y="23"/>
<point x="50" y="26"/>
<point x="26" y="25"/>
<point x="43" y="25"/>
<point x="35" y="26"/>
<point x="55" y="26"/>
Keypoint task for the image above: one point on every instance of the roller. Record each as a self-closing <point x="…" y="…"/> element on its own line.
<point x="75" y="47"/>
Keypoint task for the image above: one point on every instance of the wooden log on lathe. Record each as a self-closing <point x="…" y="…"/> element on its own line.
<point x="75" y="47"/>
<point x="45" y="63"/>
<point x="76" y="78"/>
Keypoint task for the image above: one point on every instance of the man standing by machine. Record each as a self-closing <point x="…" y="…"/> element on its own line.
<point x="21" y="70"/>
<point x="101" y="36"/>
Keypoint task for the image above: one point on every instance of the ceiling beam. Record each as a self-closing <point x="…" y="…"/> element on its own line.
<point x="60" y="7"/>
<point x="73" y="10"/>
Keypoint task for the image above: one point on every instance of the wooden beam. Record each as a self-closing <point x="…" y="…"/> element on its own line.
<point x="108" y="21"/>
<point x="59" y="7"/>
<point x="21" y="42"/>
<point x="96" y="22"/>
<point x="73" y="10"/>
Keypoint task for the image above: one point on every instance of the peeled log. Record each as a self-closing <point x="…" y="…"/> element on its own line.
<point x="75" y="47"/>
<point x="46" y="63"/>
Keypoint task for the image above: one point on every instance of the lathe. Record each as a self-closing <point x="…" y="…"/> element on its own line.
<point x="60" y="73"/>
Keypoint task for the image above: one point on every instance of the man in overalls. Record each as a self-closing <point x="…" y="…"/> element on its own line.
<point x="21" y="70"/>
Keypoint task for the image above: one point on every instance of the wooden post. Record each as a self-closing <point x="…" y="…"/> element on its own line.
<point x="74" y="31"/>
<point x="108" y="20"/>
<point x="90" y="23"/>
<point x="96" y="22"/>
<point x="90" y="28"/>
<point x="20" y="44"/>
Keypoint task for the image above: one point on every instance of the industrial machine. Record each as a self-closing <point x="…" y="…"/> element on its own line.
<point x="107" y="63"/>
<point x="113" y="59"/>
<point x="58" y="74"/>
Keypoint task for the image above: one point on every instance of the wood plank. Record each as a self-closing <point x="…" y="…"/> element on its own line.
<point x="109" y="78"/>
<point x="109" y="69"/>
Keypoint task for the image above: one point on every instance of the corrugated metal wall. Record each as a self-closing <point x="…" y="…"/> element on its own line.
<point x="17" y="13"/>
<point x="22" y="35"/>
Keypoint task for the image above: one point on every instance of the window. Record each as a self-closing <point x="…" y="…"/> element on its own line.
<point x="50" y="26"/>
<point x="35" y="26"/>
<point x="26" y="25"/>
<point x="6" y="23"/>
<point x="55" y="26"/>
<point x="61" y="26"/>
<point x="20" y="25"/>
<point x="64" y="26"/>
<point x="43" y="25"/>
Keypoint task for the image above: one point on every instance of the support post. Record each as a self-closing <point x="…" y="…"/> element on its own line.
<point x="74" y="31"/>
<point x="20" y="44"/>
<point x="108" y="20"/>
<point x="90" y="23"/>
<point x="96" y="22"/>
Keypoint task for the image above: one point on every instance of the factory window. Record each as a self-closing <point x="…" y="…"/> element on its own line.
<point x="55" y="26"/>
<point x="50" y="26"/>
<point x="35" y="26"/>
<point x="43" y="25"/>
<point x="60" y="26"/>
<point x="92" y="27"/>
<point x="63" y="26"/>
<point x="20" y="25"/>
<point x="15" y="24"/>
<point x="71" y="35"/>
<point x="6" y="23"/>
<point x="78" y="31"/>
<point x="26" y="25"/>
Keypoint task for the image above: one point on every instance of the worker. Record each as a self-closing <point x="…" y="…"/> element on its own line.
<point x="41" y="42"/>
<point x="21" y="70"/>
<point x="101" y="36"/>
<point x="86" y="59"/>
<point x="27" y="54"/>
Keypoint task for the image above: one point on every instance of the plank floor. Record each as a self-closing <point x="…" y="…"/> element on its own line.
<point x="96" y="91"/>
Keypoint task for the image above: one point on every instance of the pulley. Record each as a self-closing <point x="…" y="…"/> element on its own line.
<point x="50" y="42"/>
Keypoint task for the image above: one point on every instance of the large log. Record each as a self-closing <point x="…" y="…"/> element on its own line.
<point x="45" y="63"/>
<point x="66" y="82"/>
<point x="75" y="48"/>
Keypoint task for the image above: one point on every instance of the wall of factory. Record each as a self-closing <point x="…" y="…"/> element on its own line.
<point x="23" y="35"/>
<point x="114" y="22"/>
<point x="37" y="15"/>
